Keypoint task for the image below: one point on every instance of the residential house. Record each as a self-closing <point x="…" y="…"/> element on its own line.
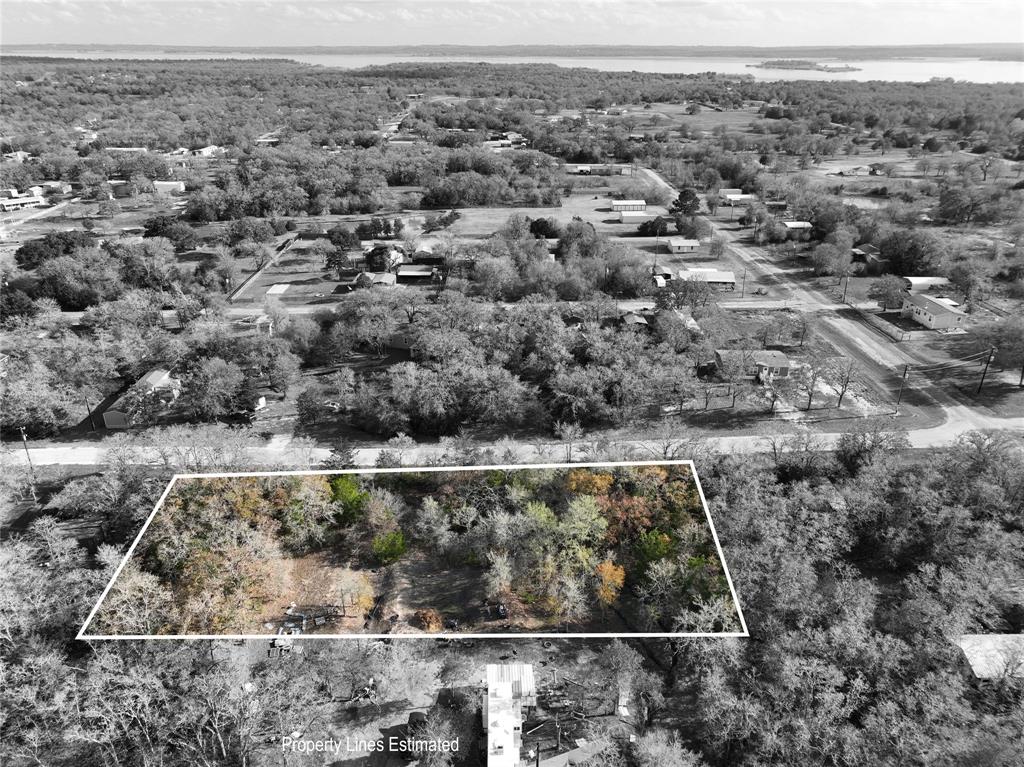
<point x="681" y="245"/>
<point x="933" y="313"/>
<point x="862" y="251"/>
<point x="207" y="151"/>
<point x="383" y="257"/>
<point x="762" y="364"/>
<point x="416" y="274"/>
<point x="58" y="187"/>
<point x="157" y="381"/>
<point x="994" y="656"/>
<point x="375" y="280"/>
<point x="510" y="689"/>
<point x="634" y="320"/>
<point x="18" y="156"/>
<point x="20" y="202"/>
<point x="798" y="226"/>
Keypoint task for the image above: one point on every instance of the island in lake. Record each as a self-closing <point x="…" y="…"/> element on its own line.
<point x="804" y="64"/>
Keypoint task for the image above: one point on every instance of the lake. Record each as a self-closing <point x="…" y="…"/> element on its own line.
<point x="900" y="70"/>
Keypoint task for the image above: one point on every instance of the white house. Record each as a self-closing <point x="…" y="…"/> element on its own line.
<point x="207" y="151"/>
<point x="510" y="687"/>
<point x="19" y="203"/>
<point x="681" y="245"/>
<point x="933" y="313"/>
<point x="797" y="226"/>
<point x="633" y="205"/>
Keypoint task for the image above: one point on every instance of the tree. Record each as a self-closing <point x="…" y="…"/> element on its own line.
<point x="889" y="290"/>
<point x="910" y="251"/>
<point x="388" y="547"/>
<point x="210" y="389"/>
<point x="687" y="204"/>
<point x="610" y="578"/>
<point x="108" y="208"/>
<point x="684" y="294"/>
<point x="656" y="227"/>
<point x="810" y="374"/>
<point x="840" y="376"/>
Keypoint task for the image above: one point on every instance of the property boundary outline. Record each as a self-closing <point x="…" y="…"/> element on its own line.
<point x="743" y="634"/>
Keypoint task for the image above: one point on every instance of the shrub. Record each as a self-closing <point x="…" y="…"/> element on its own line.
<point x="389" y="547"/>
<point x="346" y="491"/>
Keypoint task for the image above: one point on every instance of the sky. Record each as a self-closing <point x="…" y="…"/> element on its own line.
<point x="510" y="22"/>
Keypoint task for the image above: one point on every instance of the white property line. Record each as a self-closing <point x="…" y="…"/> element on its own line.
<point x="82" y="635"/>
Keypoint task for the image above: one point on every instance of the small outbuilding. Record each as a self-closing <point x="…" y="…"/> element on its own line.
<point x="921" y="284"/>
<point x="629" y="205"/>
<point x="720" y="280"/>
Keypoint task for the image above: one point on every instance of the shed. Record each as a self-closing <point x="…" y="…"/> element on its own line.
<point x="739" y="199"/>
<point x="635" y="216"/>
<point x="630" y="205"/>
<point x="796" y="226"/>
<point x="718" y="279"/>
<point x="169" y="187"/>
<point x="919" y="284"/>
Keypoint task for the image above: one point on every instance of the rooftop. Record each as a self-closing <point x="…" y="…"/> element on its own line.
<point x="994" y="656"/>
<point x="930" y="304"/>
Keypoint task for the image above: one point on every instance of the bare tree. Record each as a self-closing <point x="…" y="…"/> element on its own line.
<point x="570" y="434"/>
<point x="810" y="375"/>
<point x="840" y="376"/>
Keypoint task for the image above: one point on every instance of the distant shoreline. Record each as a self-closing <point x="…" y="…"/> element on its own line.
<point x="804" y="65"/>
<point x="984" y="51"/>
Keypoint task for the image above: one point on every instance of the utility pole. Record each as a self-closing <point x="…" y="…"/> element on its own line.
<point x="903" y="383"/>
<point x="743" y="293"/>
<point x="988" y="361"/>
<point x="845" y="288"/>
<point x="31" y="468"/>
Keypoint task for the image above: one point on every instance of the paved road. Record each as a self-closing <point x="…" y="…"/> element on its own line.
<point x="958" y="420"/>
<point x="880" y="361"/>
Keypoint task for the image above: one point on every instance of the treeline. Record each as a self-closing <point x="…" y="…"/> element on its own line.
<point x="857" y="572"/>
